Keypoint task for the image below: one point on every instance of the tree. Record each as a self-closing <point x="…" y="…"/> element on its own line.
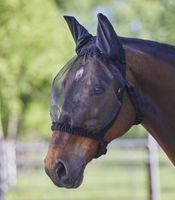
<point x="31" y="38"/>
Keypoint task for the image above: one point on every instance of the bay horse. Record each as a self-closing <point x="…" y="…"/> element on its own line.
<point x="112" y="84"/>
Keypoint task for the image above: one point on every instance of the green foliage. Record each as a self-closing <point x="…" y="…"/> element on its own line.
<point x="32" y="38"/>
<point x="35" y="43"/>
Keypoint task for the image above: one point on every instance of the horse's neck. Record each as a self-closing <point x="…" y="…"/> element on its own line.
<point x="155" y="78"/>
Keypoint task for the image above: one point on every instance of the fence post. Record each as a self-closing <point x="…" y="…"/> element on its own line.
<point x="7" y="166"/>
<point x="153" y="169"/>
<point x="11" y="163"/>
<point x="3" y="171"/>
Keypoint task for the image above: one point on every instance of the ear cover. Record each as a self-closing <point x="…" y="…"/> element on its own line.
<point x="107" y="40"/>
<point x="80" y="34"/>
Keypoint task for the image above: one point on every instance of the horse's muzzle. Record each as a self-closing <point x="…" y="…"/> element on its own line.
<point x="65" y="175"/>
<point x="67" y="157"/>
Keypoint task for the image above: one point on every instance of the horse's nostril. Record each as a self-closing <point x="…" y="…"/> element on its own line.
<point x="60" y="170"/>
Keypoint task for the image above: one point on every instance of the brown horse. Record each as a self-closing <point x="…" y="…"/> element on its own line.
<point x="113" y="83"/>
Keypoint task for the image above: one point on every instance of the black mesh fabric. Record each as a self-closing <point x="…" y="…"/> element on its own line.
<point x="85" y="93"/>
<point x="56" y="98"/>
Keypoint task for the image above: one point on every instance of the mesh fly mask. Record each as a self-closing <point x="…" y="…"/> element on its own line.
<point x="80" y="102"/>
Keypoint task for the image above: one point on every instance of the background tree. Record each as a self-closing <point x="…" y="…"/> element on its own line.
<point x="31" y="42"/>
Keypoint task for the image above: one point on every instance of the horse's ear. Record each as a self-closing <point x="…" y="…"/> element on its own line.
<point x="80" y="34"/>
<point x="107" y="40"/>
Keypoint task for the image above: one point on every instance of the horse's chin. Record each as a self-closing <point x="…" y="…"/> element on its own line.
<point x="70" y="184"/>
<point x="78" y="182"/>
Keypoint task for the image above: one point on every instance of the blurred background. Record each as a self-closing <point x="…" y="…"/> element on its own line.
<point x="34" y="44"/>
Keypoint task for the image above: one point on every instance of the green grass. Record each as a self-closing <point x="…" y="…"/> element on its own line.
<point x="108" y="178"/>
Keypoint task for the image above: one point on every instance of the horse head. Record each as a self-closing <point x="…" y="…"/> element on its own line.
<point x="89" y="103"/>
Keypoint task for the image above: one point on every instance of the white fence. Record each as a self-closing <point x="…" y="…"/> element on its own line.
<point x="7" y="166"/>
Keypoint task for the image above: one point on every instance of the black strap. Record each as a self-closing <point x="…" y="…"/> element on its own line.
<point x="98" y="136"/>
<point x="135" y="100"/>
<point x="132" y="91"/>
<point x="102" y="149"/>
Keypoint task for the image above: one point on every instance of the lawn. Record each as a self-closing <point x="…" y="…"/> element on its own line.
<point x="119" y="175"/>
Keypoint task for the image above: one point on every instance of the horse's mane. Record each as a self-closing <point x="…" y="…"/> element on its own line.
<point x="157" y="49"/>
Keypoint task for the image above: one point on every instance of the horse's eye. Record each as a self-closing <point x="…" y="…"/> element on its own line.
<point x="98" y="90"/>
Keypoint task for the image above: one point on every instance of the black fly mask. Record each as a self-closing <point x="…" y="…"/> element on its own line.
<point x="87" y="93"/>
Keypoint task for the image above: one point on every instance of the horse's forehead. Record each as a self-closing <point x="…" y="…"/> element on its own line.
<point x="85" y="69"/>
<point x="79" y="73"/>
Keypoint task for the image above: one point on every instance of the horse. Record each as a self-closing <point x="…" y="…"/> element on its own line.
<point x="112" y="84"/>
